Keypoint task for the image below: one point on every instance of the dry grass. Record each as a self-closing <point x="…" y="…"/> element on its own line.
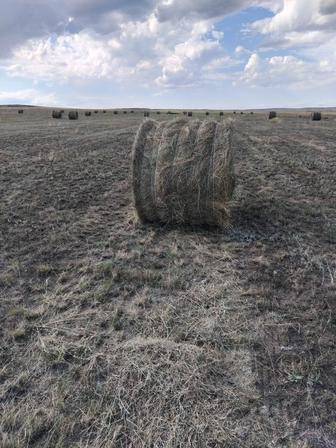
<point x="118" y="335"/>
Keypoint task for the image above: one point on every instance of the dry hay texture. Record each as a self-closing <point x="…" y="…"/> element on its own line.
<point x="316" y="116"/>
<point x="73" y="115"/>
<point x="183" y="172"/>
<point x="57" y="114"/>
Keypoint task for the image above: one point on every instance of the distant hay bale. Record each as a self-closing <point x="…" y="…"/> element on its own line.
<point x="183" y="172"/>
<point x="316" y="116"/>
<point x="104" y="111"/>
<point x="95" y="111"/>
<point x="132" y="111"/>
<point x="190" y="114"/>
<point x="20" y="111"/>
<point x="234" y="112"/>
<point x="206" y="113"/>
<point x="251" y="113"/>
<point x="221" y="114"/>
<point x="184" y="113"/>
<point x="272" y="115"/>
<point x="73" y="115"/>
<point x="146" y="114"/>
<point x="88" y="113"/>
<point x="242" y="113"/>
<point x="57" y="114"/>
<point x="115" y="112"/>
<point x="125" y="111"/>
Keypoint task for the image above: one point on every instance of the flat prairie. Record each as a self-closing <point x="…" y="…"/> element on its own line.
<point x="117" y="334"/>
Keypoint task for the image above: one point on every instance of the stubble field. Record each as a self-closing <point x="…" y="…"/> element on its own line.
<point x="115" y="334"/>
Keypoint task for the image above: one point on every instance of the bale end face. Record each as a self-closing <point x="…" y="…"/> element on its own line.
<point x="183" y="172"/>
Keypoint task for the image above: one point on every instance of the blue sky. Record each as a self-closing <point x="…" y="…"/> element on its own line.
<point x="168" y="53"/>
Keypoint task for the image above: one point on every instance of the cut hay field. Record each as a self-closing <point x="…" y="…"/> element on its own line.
<point x="114" y="334"/>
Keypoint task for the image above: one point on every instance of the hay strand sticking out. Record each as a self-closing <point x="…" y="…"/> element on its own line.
<point x="272" y="115"/>
<point x="183" y="172"/>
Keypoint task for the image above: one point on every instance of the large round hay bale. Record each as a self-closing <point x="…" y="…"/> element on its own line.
<point x="73" y="115"/>
<point x="190" y="114"/>
<point x="57" y="114"/>
<point x="316" y="116"/>
<point x="272" y="115"/>
<point x="183" y="172"/>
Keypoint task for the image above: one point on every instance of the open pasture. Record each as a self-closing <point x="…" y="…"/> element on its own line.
<point x="114" y="334"/>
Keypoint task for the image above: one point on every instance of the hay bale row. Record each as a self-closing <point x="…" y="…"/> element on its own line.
<point x="73" y="115"/>
<point x="183" y="172"/>
<point x="272" y="115"/>
<point x="316" y="116"/>
<point x="57" y="114"/>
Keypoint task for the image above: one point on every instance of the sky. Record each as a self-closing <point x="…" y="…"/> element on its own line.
<point x="219" y="54"/>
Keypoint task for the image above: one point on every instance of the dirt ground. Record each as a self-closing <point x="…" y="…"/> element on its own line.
<point x="115" y="334"/>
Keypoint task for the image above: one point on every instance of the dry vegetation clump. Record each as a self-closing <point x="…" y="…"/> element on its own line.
<point x="183" y="172"/>
<point x="73" y="115"/>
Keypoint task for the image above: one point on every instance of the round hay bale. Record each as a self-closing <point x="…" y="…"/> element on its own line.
<point x="88" y="113"/>
<point x="104" y="111"/>
<point x="73" y="115"/>
<point x="316" y="116"/>
<point x="57" y="114"/>
<point x="158" y="112"/>
<point x="125" y="111"/>
<point x="190" y="114"/>
<point x="242" y="113"/>
<point x="146" y="114"/>
<point x="95" y="111"/>
<point x="183" y="172"/>
<point x="234" y="112"/>
<point x="251" y="113"/>
<point x="206" y="113"/>
<point x="20" y="111"/>
<point x="115" y="112"/>
<point x="132" y="111"/>
<point x="221" y="114"/>
<point x="272" y="115"/>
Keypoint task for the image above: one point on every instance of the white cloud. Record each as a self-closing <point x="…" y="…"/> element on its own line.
<point x="28" y="96"/>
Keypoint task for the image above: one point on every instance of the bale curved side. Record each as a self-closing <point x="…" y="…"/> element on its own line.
<point x="183" y="172"/>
